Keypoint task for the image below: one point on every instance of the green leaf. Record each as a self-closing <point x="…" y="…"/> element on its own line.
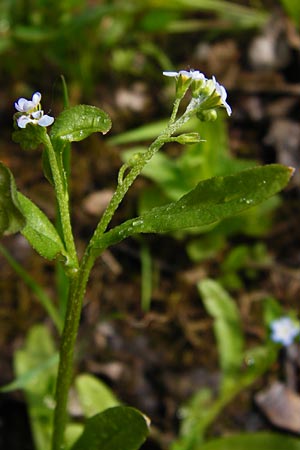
<point x="11" y="217"/>
<point x="39" y="231"/>
<point x="212" y="200"/>
<point x="257" y="361"/>
<point x="29" y="377"/>
<point x="118" y="428"/>
<point x="257" y="441"/>
<point x="227" y="326"/>
<point x="292" y="7"/>
<point x="94" y="395"/>
<point x="78" y="122"/>
<point x="29" y="137"/>
<point x="36" y="368"/>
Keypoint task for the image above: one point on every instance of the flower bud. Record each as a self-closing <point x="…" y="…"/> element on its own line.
<point x="208" y="115"/>
<point x="188" y="138"/>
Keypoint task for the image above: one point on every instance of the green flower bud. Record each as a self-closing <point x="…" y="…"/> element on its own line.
<point x="188" y="138"/>
<point x="208" y="115"/>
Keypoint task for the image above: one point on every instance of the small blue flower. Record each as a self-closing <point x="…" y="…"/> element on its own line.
<point x="32" y="112"/>
<point x="27" y="106"/>
<point x="284" y="330"/>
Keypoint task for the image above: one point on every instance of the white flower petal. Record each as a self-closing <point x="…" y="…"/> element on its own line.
<point x="171" y="74"/>
<point x="24" y="105"/>
<point x="36" y="98"/>
<point x="196" y="75"/>
<point x="221" y="91"/>
<point x="19" y="104"/>
<point x="185" y="73"/>
<point x="45" y="121"/>
<point x="23" y="121"/>
<point x="37" y="114"/>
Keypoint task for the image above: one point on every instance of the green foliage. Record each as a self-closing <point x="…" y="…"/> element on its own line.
<point x="112" y="34"/>
<point x="227" y="325"/>
<point x="177" y="176"/>
<point x="174" y="177"/>
<point x="35" y="369"/>
<point x="249" y="441"/>
<point x="292" y="7"/>
<point x="116" y="428"/>
<point x="237" y="16"/>
<point x="30" y="137"/>
<point x="11" y="218"/>
<point x="243" y="262"/>
<point x="239" y="367"/>
<point x="79" y="122"/>
<point x="39" y="231"/>
<point x="212" y="200"/>
<point x="94" y="396"/>
<point x="272" y="310"/>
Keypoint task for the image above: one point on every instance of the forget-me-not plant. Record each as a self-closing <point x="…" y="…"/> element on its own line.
<point x="209" y="202"/>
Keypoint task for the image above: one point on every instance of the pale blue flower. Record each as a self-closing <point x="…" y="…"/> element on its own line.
<point x="45" y="121"/>
<point x="284" y="330"/>
<point x="36" y="118"/>
<point x="26" y="106"/>
<point x="32" y="112"/>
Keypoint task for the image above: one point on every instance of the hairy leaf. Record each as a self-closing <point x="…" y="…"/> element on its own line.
<point x="30" y="137"/>
<point x="211" y="201"/>
<point x="39" y="231"/>
<point x="78" y="122"/>
<point x="11" y="218"/>
<point x="120" y="427"/>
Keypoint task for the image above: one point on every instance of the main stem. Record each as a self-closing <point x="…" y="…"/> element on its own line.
<point x="79" y="280"/>
<point x="68" y="339"/>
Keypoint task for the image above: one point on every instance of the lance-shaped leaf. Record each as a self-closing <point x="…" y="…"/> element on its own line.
<point x="39" y="231"/>
<point x="11" y="218"/>
<point x="212" y="200"/>
<point x="227" y="325"/>
<point x="78" y="122"/>
<point x="117" y="428"/>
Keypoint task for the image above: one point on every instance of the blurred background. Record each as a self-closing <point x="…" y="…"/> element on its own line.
<point x="144" y="329"/>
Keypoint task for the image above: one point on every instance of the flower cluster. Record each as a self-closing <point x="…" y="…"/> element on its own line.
<point x="32" y="112"/>
<point x="208" y="93"/>
<point x="284" y="330"/>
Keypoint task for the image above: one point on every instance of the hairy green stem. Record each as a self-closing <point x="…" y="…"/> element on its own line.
<point x="135" y="170"/>
<point x="175" y="110"/>
<point x="62" y="197"/>
<point x="68" y="339"/>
